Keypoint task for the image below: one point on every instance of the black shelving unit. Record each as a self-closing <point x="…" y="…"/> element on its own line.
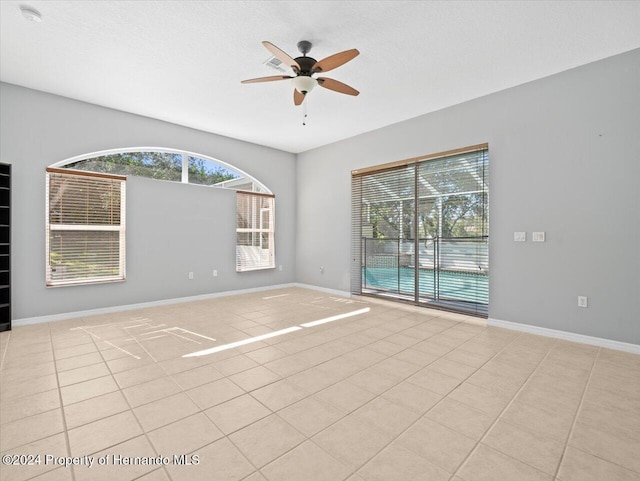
<point x="5" y="247"/>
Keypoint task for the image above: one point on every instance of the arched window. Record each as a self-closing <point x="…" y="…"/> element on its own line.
<point x="86" y="210"/>
<point x="166" y="164"/>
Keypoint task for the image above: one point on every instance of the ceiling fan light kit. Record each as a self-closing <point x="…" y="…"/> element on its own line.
<point x="304" y="84"/>
<point x="306" y="67"/>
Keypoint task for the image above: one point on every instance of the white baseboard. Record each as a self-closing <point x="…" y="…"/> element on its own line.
<point x="326" y="290"/>
<point x="567" y="336"/>
<point x="163" y="302"/>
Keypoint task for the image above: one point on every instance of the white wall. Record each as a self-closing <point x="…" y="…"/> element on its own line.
<point x="564" y="159"/>
<point x="172" y="228"/>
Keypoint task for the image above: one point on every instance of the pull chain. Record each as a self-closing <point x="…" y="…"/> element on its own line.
<point x="304" y="111"/>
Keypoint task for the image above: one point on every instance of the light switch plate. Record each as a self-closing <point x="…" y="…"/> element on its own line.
<point x="519" y="237"/>
<point x="538" y="237"/>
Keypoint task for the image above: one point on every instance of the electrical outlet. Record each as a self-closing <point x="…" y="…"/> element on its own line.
<point x="280" y="267"/>
<point x="321" y="270"/>
<point x="190" y="275"/>
<point x="538" y="237"/>
<point x="519" y="237"/>
<point x="582" y="301"/>
<point x="215" y="273"/>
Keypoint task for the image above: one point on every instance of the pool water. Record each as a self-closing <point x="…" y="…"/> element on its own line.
<point x="454" y="285"/>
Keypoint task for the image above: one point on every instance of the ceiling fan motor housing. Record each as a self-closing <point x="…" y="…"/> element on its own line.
<point x="306" y="65"/>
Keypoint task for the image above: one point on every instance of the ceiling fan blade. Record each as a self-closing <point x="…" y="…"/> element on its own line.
<point x="265" y="79"/>
<point x="335" y="61"/>
<point x="331" y="84"/>
<point x="298" y="97"/>
<point x="282" y="56"/>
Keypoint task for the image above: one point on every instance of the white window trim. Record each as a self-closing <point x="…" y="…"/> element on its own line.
<point x="259" y="230"/>
<point x="121" y="277"/>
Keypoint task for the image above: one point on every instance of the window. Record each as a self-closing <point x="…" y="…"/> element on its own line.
<point x="421" y="231"/>
<point x="85" y="228"/>
<point x="155" y="165"/>
<point x="174" y="166"/>
<point x="254" y="231"/>
<point x="206" y="172"/>
<point x="85" y="245"/>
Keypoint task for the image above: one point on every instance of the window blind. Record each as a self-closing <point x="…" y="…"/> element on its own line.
<point x="85" y="227"/>
<point x="255" y="231"/>
<point x="420" y="230"/>
<point x="384" y="234"/>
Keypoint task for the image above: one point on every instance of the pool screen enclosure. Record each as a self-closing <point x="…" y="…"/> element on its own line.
<point x="420" y="230"/>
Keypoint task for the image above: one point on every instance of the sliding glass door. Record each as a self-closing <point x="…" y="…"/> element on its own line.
<point x="420" y="231"/>
<point x="387" y="241"/>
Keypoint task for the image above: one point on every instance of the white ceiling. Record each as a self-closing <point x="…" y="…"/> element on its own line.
<point x="182" y="61"/>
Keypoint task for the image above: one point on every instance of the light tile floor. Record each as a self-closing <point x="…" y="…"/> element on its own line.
<point x="385" y="395"/>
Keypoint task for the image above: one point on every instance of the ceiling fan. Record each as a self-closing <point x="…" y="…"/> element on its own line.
<point x="306" y="69"/>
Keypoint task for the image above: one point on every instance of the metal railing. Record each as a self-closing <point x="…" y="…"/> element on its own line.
<point x="448" y="269"/>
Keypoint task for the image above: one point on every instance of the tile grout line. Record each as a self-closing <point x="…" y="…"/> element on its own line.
<point x="182" y="390"/>
<point x="436" y="404"/>
<point x="130" y="409"/>
<point x="355" y="347"/>
<point x="17" y="398"/>
<point x="57" y="388"/>
<point x="577" y="413"/>
<point x="99" y="351"/>
<point x="200" y="410"/>
<point x="500" y="416"/>
<point x="64" y="416"/>
<point x="307" y="438"/>
<point x="364" y="368"/>
<point x="503" y="411"/>
<point x="457" y="323"/>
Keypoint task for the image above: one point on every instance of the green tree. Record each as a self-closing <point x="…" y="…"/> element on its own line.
<point x="462" y="215"/>
<point x="201" y="172"/>
<point x="155" y="165"/>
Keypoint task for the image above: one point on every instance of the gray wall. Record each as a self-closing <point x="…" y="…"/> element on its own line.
<point x="564" y="156"/>
<point x="564" y="160"/>
<point x="172" y="228"/>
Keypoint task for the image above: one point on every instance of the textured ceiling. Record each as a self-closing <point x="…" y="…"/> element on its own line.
<point x="182" y="61"/>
